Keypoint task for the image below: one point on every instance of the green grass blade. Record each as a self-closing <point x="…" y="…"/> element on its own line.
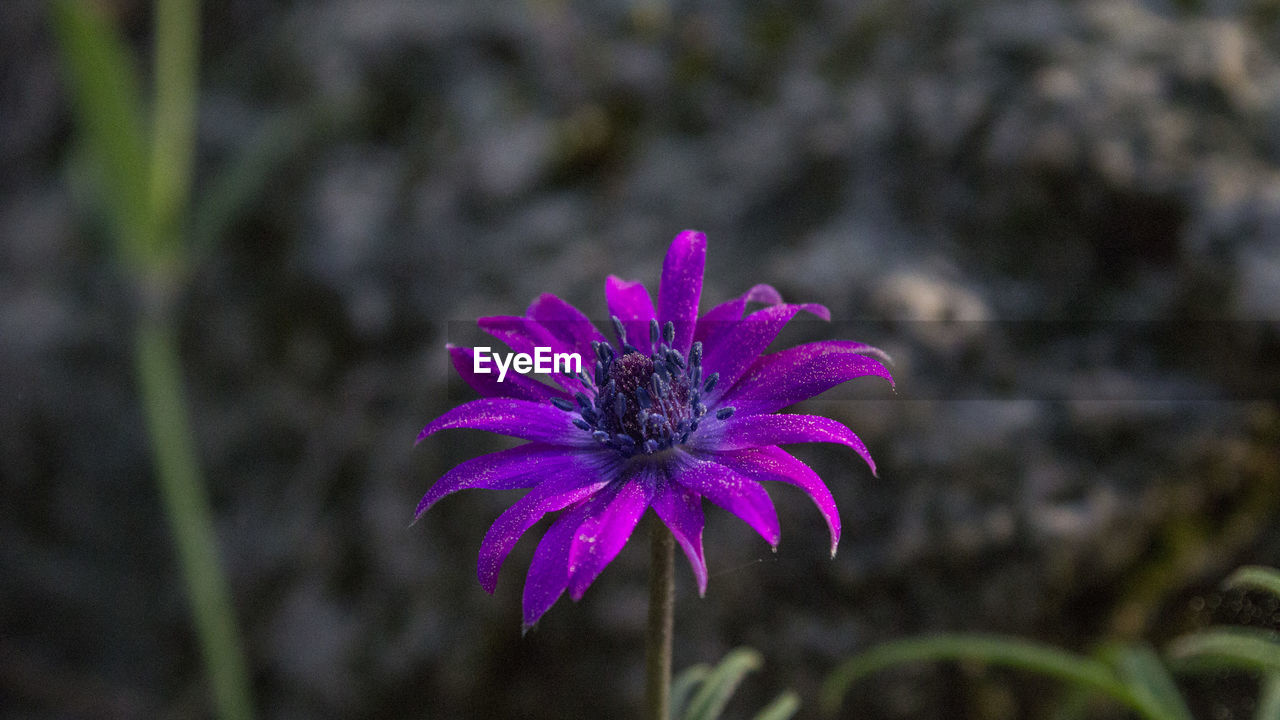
<point x="1254" y="577"/>
<point x="1242" y="648"/>
<point x="683" y="687"/>
<point x="783" y="708"/>
<point x="244" y="178"/>
<point x="996" y="650"/>
<point x="190" y="520"/>
<point x="1269" y="699"/>
<point x="107" y="104"/>
<point x="716" y="690"/>
<point x="1149" y="680"/>
<point x="172" y="161"/>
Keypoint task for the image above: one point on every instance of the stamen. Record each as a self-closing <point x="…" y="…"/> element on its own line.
<point x="619" y="330"/>
<point x="563" y="404"/>
<point x="643" y="402"/>
<point x="711" y="382"/>
<point x="724" y="413"/>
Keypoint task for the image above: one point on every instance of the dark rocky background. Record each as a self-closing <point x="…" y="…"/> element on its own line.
<point x="1061" y="218"/>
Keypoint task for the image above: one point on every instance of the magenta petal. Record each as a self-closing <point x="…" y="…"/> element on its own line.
<point x="749" y="431"/>
<point x="603" y="534"/>
<point x="681" y="286"/>
<point x="681" y="510"/>
<point x="732" y="491"/>
<point x="725" y="314"/>
<point x="525" y="335"/>
<point x="786" y="377"/>
<point x="549" y="572"/>
<point x="515" y="468"/>
<point x="740" y="343"/>
<point x="567" y="324"/>
<point x="774" y="463"/>
<point x="539" y="422"/>
<point x="514" y="385"/>
<point x="629" y="302"/>
<point x="575" y="482"/>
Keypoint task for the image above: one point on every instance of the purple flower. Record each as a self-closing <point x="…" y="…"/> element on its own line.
<point x="678" y="408"/>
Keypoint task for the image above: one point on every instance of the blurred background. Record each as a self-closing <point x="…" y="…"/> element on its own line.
<point x="1062" y="220"/>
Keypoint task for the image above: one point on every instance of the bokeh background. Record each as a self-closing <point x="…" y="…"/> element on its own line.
<point x="1062" y="219"/>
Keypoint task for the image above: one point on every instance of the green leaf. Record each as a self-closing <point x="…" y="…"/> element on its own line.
<point x="683" y="686"/>
<point x="106" y="101"/>
<point x="782" y="708"/>
<point x="245" y="177"/>
<point x="1269" y="699"/>
<point x="172" y="163"/>
<point x="1149" y="680"/>
<point x="719" y="685"/>
<point x="1254" y="577"/>
<point x="996" y="650"/>
<point x="1243" y="648"/>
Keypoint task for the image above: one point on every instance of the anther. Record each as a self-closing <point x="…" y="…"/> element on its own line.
<point x="619" y="330"/>
<point x="711" y="382"/>
<point x="659" y="388"/>
<point x="653" y="332"/>
<point x="724" y="413"/>
<point x="563" y="404"/>
<point x="669" y="332"/>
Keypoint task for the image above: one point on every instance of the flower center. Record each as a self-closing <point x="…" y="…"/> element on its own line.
<point x="643" y="404"/>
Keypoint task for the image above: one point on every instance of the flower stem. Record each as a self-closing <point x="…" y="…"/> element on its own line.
<point x="662" y="598"/>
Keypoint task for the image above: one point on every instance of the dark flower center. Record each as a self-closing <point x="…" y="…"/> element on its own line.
<point x="643" y="404"/>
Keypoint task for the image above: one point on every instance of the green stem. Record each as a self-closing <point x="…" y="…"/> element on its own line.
<point x="662" y="600"/>
<point x="182" y="490"/>
<point x="177" y="42"/>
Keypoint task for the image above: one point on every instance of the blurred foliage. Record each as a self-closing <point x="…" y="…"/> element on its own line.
<point x="1131" y="675"/>
<point x="144" y="176"/>
<point x="701" y="692"/>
